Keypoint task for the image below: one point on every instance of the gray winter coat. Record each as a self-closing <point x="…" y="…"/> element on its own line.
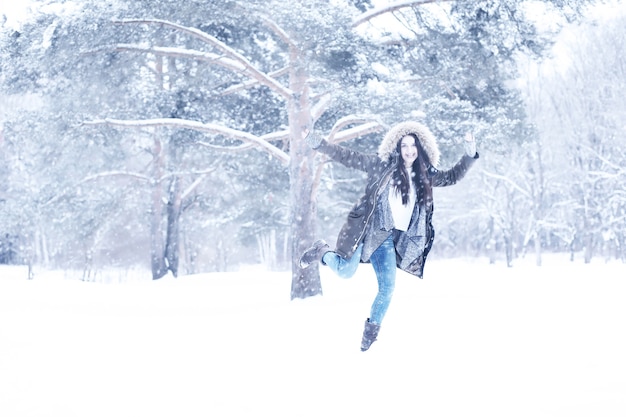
<point x="412" y="246"/>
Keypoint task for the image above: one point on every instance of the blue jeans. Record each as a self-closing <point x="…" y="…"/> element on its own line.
<point x="384" y="262"/>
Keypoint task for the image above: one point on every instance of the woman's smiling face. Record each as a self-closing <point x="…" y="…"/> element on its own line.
<point x="408" y="149"/>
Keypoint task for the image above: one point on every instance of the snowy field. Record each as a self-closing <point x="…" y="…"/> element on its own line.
<point x="470" y="339"/>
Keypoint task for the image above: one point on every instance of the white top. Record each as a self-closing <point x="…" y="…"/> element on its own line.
<point x="401" y="214"/>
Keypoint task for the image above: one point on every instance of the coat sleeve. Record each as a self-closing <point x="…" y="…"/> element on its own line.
<point x="453" y="175"/>
<point x="347" y="157"/>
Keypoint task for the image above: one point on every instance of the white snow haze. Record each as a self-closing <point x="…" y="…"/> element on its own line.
<point x="469" y="339"/>
<point x="14" y="11"/>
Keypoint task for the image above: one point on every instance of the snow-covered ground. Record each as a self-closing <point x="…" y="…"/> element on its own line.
<point x="469" y="339"/>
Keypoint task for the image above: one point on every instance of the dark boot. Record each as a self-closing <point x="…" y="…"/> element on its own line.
<point x="313" y="254"/>
<point x="369" y="335"/>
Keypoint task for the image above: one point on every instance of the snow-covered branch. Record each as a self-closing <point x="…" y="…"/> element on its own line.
<point x="278" y="31"/>
<point x="606" y="175"/>
<point x="97" y="176"/>
<point x="253" y="83"/>
<point x="281" y="135"/>
<point x="242" y="147"/>
<point x="115" y="174"/>
<point x="508" y="181"/>
<point x="277" y="135"/>
<point x="356" y="132"/>
<point x="321" y="106"/>
<point x="368" y="123"/>
<point x="142" y="177"/>
<point x="195" y="184"/>
<point x="370" y="14"/>
<point x="198" y="126"/>
<point x="249" y="69"/>
<point x="599" y="156"/>
<point x="183" y="53"/>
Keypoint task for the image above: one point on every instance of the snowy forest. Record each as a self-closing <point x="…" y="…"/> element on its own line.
<point x="168" y="135"/>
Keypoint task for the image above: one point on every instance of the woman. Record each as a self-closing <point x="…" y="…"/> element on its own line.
<point x="391" y="225"/>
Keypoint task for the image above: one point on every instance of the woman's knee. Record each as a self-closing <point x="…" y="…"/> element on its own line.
<point x="386" y="290"/>
<point x="344" y="268"/>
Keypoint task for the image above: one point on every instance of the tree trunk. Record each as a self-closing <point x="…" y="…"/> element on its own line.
<point x="187" y="252"/>
<point x="491" y="245"/>
<point x="305" y="282"/>
<point x="159" y="268"/>
<point x="30" y="256"/>
<point x="222" y="256"/>
<point x="42" y="255"/>
<point x="88" y="266"/>
<point x="538" y="260"/>
<point x="266" y="243"/>
<point x="538" y="200"/>
<point x="588" y="243"/>
<point x="173" y="227"/>
<point x="508" y="248"/>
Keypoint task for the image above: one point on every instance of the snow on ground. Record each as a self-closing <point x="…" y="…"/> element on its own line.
<point x="469" y="339"/>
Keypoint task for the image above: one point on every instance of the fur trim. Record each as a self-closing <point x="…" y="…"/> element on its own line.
<point x="424" y="135"/>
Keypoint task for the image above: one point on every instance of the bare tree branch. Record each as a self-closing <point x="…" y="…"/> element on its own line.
<point x="369" y="15"/>
<point x="194" y="184"/>
<point x="135" y="175"/>
<point x="249" y="69"/>
<point x="115" y="174"/>
<point x="320" y="107"/>
<point x="278" y="31"/>
<point x="198" y="126"/>
<point x="93" y="177"/>
<point x="275" y="136"/>
<point x="368" y="124"/>
<point x="143" y="177"/>
<point x="510" y="182"/>
<point x="356" y="132"/>
<point x="253" y="83"/>
<point x="183" y="53"/>
<point x="242" y="147"/>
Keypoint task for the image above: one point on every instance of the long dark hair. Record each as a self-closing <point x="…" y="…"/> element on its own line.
<point x="401" y="179"/>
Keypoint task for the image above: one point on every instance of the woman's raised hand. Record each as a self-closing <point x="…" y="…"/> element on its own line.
<point x="470" y="144"/>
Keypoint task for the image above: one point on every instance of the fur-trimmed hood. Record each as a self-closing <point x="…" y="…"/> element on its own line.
<point x="397" y="132"/>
